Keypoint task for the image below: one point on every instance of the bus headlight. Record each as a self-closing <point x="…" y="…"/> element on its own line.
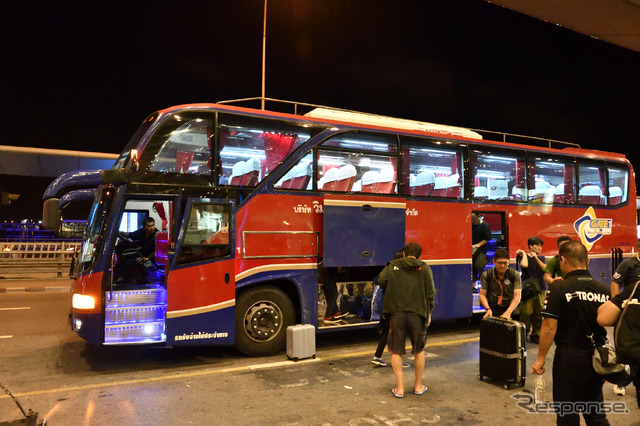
<point x="82" y="301"/>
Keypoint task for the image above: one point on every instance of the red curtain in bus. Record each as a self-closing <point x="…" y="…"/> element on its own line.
<point x="569" y="184"/>
<point x="276" y="147"/>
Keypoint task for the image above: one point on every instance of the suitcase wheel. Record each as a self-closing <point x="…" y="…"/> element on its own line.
<point x="480" y="377"/>
<point x="507" y="386"/>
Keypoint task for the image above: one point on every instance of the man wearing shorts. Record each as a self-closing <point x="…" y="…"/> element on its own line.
<point x="408" y="301"/>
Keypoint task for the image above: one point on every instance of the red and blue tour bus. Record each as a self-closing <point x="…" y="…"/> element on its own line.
<point x="258" y="210"/>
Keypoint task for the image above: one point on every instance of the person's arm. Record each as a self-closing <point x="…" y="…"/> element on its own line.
<point x="615" y="289"/>
<point x="382" y="280"/>
<point x="547" y="334"/>
<point x="517" y="294"/>
<point x="608" y="313"/>
<point x="524" y="262"/>
<point x="480" y="244"/>
<point x="484" y="302"/>
<point x="431" y="293"/>
<point x="547" y="278"/>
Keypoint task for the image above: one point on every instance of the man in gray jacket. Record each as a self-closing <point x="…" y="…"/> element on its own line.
<point x="408" y="301"/>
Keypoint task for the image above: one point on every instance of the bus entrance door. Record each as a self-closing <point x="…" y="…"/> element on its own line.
<point x="498" y="225"/>
<point x="201" y="277"/>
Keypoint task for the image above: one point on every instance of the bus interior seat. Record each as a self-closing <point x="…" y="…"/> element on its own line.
<point x="454" y="189"/>
<point x="590" y="194"/>
<point x="518" y="194"/>
<point x="423" y="184"/>
<point x="558" y="194"/>
<point x="440" y="186"/>
<point x="385" y="181"/>
<point x="357" y="186"/>
<point x="615" y="195"/>
<point x="286" y="180"/>
<point x="480" y="192"/>
<point x="236" y="173"/>
<point x="251" y="173"/>
<point x="346" y="178"/>
<point x="300" y="176"/>
<point x="369" y="181"/>
<point x="543" y="192"/>
<point x="330" y="177"/>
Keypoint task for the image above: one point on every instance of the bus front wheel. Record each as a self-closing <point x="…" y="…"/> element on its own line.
<point x="262" y="317"/>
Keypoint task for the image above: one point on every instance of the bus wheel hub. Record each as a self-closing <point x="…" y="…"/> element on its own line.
<point x="263" y="321"/>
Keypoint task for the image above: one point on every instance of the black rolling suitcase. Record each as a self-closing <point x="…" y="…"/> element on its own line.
<point x="503" y="353"/>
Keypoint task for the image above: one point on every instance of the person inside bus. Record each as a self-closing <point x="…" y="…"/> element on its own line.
<point x="501" y="288"/>
<point x="480" y="236"/>
<point x="552" y="271"/>
<point x="532" y="264"/>
<point x="131" y="268"/>
<point x="328" y="278"/>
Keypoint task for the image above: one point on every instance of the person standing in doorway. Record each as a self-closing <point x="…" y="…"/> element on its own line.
<point x="480" y="236"/>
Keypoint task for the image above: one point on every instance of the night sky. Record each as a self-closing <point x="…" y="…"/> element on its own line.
<point x="82" y="76"/>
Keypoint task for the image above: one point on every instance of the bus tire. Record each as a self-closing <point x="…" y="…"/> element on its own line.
<point x="262" y="317"/>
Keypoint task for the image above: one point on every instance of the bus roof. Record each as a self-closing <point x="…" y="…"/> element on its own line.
<point x="383" y="121"/>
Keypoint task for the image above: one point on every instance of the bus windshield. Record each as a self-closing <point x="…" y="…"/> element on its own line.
<point x="133" y="142"/>
<point x="95" y="229"/>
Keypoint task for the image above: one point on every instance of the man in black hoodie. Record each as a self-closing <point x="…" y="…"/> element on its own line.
<point x="408" y="301"/>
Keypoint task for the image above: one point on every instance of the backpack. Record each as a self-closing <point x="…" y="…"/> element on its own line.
<point x="627" y="331"/>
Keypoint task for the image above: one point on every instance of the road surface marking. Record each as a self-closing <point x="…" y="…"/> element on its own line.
<point x="15" y="309"/>
<point x="183" y="375"/>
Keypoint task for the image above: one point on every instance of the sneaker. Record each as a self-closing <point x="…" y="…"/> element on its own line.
<point x="618" y="390"/>
<point x="378" y="361"/>
<point x="405" y="364"/>
<point x="340" y="314"/>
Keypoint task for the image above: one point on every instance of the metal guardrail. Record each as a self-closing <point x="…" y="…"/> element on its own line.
<point x="28" y="259"/>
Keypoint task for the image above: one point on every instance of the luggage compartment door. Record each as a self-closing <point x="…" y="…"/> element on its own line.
<point x="362" y="231"/>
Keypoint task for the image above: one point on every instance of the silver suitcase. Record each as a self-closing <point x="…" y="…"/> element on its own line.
<point x="301" y="341"/>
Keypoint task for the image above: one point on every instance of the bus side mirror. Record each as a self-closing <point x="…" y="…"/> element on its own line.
<point x="51" y="214"/>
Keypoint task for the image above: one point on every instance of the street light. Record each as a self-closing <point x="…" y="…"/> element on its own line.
<point x="264" y="48"/>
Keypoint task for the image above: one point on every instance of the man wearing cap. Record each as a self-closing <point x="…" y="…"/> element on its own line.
<point x="532" y="265"/>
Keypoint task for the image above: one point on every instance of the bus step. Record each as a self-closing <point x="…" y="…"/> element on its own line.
<point x="146" y="295"/>
<point x="134" y="314"/>
<point x="151" y="332"/>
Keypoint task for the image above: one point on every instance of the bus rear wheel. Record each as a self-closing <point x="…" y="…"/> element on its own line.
<point x="262" y="317"/>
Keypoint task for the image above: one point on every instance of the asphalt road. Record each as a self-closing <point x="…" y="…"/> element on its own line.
<point x="50" y="370"/>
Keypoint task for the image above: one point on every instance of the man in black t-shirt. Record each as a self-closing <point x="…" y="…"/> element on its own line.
<point x="625" y="277"/>
<point x="569" y="313"/>
<point x="628" y="272"/>
<point x="130" y="269"/>
<point x="480" y="236"/>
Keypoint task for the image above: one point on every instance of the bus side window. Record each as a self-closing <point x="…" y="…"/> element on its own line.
<point x="431" y="170"/>
<point x="356" y="172"/>
<point x="591" y="184"/>
<point x="618" y="184"/>
<point x="207" y="233"/>
<point x="498" y="174"/>
<point x="551" y="180"/>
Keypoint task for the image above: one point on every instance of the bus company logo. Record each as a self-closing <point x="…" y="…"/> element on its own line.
<point x="301" y="209"/>
<point x="317" y="208"/>
<point x="412" y="212"/>
<point x="591" y="229"/>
